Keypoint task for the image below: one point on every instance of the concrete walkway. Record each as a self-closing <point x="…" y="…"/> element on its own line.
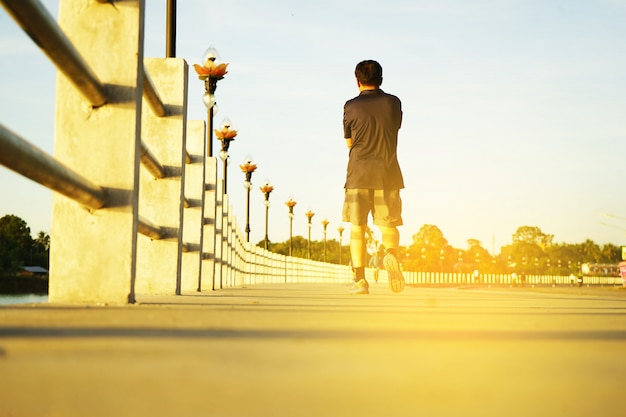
<point x="313" y="350"/>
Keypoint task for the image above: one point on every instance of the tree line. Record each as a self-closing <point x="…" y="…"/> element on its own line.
<point x="18" y="248"/>
<point x="531" y="252"/>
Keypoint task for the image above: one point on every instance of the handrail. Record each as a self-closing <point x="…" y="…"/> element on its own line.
<point x="150" y="162"/>
<point x="149" y="229"/>
<point x="33" y="17"/>
<point x="26" y="159"/>
<point x="152" y="96"/>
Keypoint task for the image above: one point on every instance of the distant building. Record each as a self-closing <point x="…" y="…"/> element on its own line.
<point x="33" y="270"/>
<point x="600" y="270"/>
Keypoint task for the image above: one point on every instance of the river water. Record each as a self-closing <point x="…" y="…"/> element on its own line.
<point x="7" y="299"/>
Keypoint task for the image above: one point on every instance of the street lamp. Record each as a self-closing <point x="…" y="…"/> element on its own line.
<point x="291" y="204"/>
<point x="309" y="214"/>
<point x="210" y="72"/>
<point x="325" y="224"/>
<point x="267" y="190"/>
<point x="225" y="135"/>
<point x="340" y="229"/>
<point x="248" y="168"/>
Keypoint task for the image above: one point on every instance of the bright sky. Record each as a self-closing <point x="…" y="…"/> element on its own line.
<point x="514" y="110"/>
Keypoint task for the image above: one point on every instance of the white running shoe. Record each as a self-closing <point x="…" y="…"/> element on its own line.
<point x="360" y="287"/>
<point x="396" y="280"/>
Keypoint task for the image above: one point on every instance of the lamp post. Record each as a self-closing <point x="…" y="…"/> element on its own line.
<point x="291" y="204"/>
<point x="170" y="30"/>
<point x="267" y="190"/>
<point x="340" y="229"/>
<point x="225" y="135"/>
<point x="325" y="224"/>
<point x="248" y="168"/>
<point x="210" y="73"/>
<point x="309" y="214"/>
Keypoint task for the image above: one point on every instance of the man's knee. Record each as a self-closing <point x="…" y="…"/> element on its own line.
<point x="389" y="230"/>
<point x="357" y="232"/>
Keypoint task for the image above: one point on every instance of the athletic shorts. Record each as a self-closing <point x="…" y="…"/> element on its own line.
<point x="385" y="206"/>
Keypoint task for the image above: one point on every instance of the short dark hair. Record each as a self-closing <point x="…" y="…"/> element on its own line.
<point x="369" y="73"/>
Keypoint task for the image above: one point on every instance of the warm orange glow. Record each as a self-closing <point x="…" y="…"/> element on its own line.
<point x="225" y="133"/>
<point x="309" y="214"/>
<point x="211" y="70"/>
<point x="267" y="188"/>
<point x="248" y="167"/>
<point x="290" y="203"/>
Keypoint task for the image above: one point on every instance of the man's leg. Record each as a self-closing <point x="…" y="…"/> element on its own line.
<point x="355" y="210"/>
<point x="357" y="252"/>
<point x="391" y="237"/>
<point x="357" y="245"/>
<point x="391" y="240"/>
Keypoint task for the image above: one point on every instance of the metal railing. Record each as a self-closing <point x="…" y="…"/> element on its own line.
<point x="33" y="17"/>
<point x="231" y="262"/>
<point x="26" y="159"/>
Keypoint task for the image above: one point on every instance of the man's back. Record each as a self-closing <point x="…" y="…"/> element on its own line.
<point x="372" y="120"/>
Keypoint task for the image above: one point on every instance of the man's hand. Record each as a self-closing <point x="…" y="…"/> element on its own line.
<point x="349" y="142"/>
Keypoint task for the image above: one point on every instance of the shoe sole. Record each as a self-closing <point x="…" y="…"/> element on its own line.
<point x="396" y="280"/>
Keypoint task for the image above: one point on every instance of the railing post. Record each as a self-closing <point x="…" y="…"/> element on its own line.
<point x="193" y="220"/>
<point x="209" y="239"/>
<point x="225" y="265"/>
<point x="232" y="258"/>
<point x="161" y="200"/>
<point x="93" y="258"/>
<point x="219" y="233"/>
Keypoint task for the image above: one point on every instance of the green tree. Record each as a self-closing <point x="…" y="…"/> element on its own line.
<point x="610" y="254"/>
<point x="527" y="254"/>
<point x="532" y="235"/>
<point x="588" y="252"/>
<point x="15" y="243"/>
<point x="563" y="259"/>
<point x="430" y="251"/>
<point x="40" y="253"/>
<point x="300" y="249"/>
<point x="477" y="257"/>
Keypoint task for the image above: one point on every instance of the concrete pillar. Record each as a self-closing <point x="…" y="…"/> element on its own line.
<point x="194" y="214"/>
<point x="93" y="253"/>
<point x="210" y="213"/>
<point x="161" y="200"/>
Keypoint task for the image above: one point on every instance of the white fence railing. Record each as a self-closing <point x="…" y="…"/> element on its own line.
<point x="456" y="279"/>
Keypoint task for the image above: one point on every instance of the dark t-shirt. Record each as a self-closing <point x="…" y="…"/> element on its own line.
<point x="372" y="120"/>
